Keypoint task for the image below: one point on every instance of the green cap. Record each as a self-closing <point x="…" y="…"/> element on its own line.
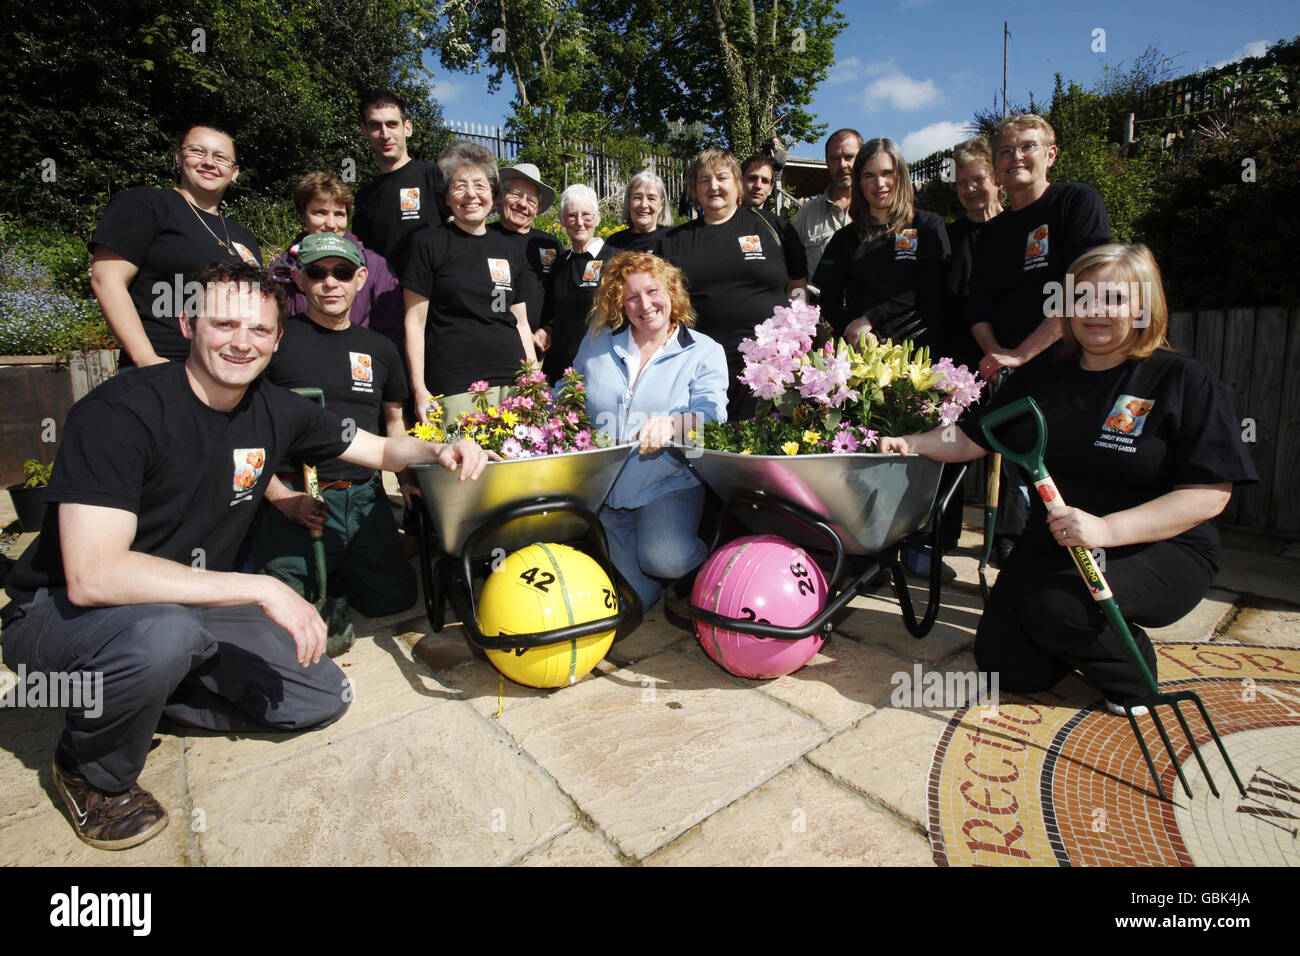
<point x="324" y="245"/>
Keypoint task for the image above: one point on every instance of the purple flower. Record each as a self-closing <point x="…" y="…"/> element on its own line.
<point x="511" y="449"/>
<point x="844" y="443"/>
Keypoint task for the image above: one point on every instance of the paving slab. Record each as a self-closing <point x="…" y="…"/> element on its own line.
<point x="47" y="838"/>
<point x="575" y="847"/>
<point x="654" y="634"/>
<point x="1259" y="572"/>
<point x="1266" y="622"/>
<point x="842" y="683"/>
<point x="436" y="787"/>
<point x="877" y="619"/>
<point x="647" y="752"/>
<point x="385" y="683"/>
<point x="799" y="818"/>
<point x="887" y="756"/>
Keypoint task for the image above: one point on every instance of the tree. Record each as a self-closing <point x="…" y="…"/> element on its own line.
<point x="745" y="68"/>
<point x="284" y="79"/>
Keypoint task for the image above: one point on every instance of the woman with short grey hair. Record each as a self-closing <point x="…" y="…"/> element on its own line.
<point x="645" y="210"/>
<point x="576" y="277"/>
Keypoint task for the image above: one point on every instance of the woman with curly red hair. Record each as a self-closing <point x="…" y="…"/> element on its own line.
<point x="652" y="379"/>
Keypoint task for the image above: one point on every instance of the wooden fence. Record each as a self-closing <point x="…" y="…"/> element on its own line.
<point x="589" y="164"/>
<point x="1256" y="354"/>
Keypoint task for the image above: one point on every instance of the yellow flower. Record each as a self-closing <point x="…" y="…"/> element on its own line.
<point x="424" y="432"/>
<point x="791" y="448"/>
<point x="692" y="435"/>
<point x="747" y="451"/>
<point x="811" y="436"/>
<point x="509" y="418"/>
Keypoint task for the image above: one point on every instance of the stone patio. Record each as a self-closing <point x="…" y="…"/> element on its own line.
<point x="658" y="757"/>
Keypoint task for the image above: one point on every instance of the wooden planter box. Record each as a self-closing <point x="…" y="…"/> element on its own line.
<point x="35" y="395"/>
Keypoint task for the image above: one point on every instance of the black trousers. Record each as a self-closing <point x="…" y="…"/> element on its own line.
<point x="1040" y="622"/>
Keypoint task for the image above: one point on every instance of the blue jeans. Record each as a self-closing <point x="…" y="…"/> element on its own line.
<point x="657" y="540"/>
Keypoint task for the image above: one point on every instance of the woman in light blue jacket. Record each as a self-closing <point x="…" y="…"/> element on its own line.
<point x="650" y="379"/>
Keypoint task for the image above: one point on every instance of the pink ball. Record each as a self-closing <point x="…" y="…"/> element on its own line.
<point x="763" y="578"/>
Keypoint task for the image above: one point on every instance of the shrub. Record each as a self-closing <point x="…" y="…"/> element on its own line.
<point x="36" y="318"/>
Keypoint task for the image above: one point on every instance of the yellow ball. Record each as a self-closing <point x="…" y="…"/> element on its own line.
<point x="545" y="587"/>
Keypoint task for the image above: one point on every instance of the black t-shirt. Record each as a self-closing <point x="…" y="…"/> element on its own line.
<point x="358" y="370"/>
<point x="167" y="239"/>
<point x="1124" y="436"/>
<point x="541" y="251"/>
<point x="192" y="475"/>
<point x="1022" y="250"/>
<point x="796" y="257"/>
<point x="736" y="273"/>
<point x="956" y="342"/>
<point x="393" y="206"/>
<point x="626" y="240"/>
<point x="470" y="282"/>
<point x="894" y="280"/>
<point x="576" y="277"/>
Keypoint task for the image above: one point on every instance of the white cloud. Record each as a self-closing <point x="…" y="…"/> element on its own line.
<point x="1258" y="48"/>
<point x="929" y="139"/>
<point x="896" y="89"/>
<point x="845" y="71"/>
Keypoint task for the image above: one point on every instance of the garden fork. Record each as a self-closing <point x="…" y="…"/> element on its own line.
<point x="1032" y="462"/>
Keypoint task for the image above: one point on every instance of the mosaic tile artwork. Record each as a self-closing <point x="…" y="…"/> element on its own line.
<point x="1024" y="783"/>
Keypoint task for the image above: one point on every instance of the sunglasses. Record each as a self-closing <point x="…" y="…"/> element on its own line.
<point x="343" y="272"/>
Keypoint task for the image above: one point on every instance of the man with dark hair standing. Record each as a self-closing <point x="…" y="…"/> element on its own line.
<point x="154" y="487"/>
<point x="819" y="218"/>
<point x="404" y="197"/>
<point x="759" y="177"/>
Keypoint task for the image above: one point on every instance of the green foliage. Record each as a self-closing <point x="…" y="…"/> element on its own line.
<point x="36" y="474"/>
<point x="940" y="197"/>
<point x="37" y="318"/>
<point x="1222" y="240"/>
<point x="102" y="89"/>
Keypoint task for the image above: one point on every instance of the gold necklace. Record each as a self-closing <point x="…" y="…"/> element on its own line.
<point x="226" y="245"/>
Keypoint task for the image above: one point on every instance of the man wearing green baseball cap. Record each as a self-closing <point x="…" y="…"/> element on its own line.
<point x="362" y="378"/>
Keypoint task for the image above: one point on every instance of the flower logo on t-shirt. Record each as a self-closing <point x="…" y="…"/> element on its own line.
<point x="499" y="270"/>
<point x="249" y="463"/>
<point x="547" y="258"/>
<point x="591" y="274"/>
<point x="245" y="253"/>
<point x="1036" y="247"/>
<point x="361" y="367"/>
<point x="751" y="244"/>
<point x="905" y="244"/>
<point x="1128" y="416"/>
<point x="409" y="199"/>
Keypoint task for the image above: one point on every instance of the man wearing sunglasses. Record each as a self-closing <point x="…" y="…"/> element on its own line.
<point x="361" y="375"/>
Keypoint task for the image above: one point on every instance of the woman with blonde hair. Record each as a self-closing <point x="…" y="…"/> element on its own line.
<point x="1145" y="448"/>
<point x="883" y="272"/>
<point x="651" y="379"/>
<point x="737" y="265"/>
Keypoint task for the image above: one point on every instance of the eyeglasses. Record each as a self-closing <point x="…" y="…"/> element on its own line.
<point x="461" y="188"/>
<point x="523" y="197"/>
<point x="1024" y="149"/>
<point x="199" y="154"/>
<point x="344" y="271"/>
<point x="579" y="217"/>
<point x="973" y="181"/>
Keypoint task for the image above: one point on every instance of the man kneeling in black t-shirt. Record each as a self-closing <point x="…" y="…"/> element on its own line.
<point x="156" y="481"/>
<point x="361" y="376"/>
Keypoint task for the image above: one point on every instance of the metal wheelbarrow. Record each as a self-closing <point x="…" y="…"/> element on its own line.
<point x="466" y="528"/>
<point x="851" y="513"/>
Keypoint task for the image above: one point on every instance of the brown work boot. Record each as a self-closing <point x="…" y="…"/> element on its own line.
<point x="109" y="821"/>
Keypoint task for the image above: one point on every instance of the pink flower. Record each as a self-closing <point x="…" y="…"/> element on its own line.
<point x="512" y="449"/>
<point x="479" y="387"/>
<point x="582" y="440"/>
<point x="844" y="443"/>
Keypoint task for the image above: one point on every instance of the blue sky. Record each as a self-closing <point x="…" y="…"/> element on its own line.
<point x="917" y="70"/>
